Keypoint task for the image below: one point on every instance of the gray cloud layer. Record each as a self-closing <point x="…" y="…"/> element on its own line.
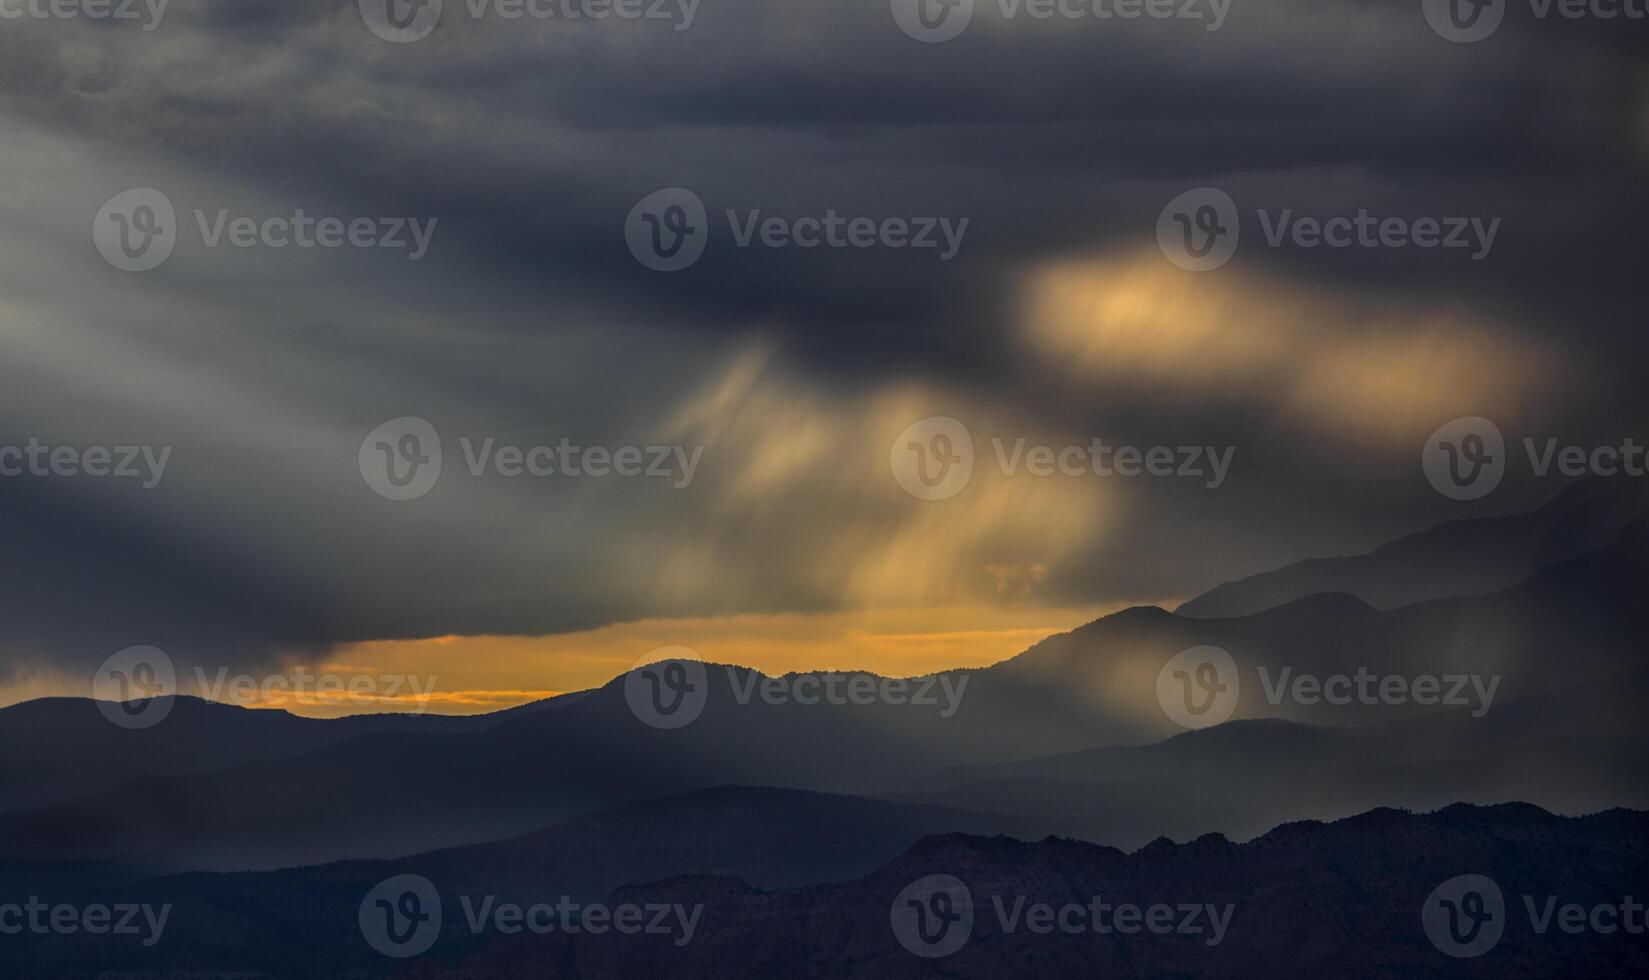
<point x="529" y="320"/>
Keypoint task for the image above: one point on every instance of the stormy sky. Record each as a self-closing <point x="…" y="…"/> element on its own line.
<point x="528" y="320"/>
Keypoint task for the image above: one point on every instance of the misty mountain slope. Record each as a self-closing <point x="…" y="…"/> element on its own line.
<point x="1457" y="558"/>
<point x="1571" y="622"/>
<point x="1576" y="751"/>
<point x="1607" y="707"/>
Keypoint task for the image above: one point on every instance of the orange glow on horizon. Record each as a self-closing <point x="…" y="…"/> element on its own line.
<point x="476" y="674"/>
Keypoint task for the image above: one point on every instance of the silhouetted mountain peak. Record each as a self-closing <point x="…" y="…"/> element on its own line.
<point x="1255" y="735"/>
<point x="1325" y="603"/>
<point x="1465" y="557"/>
<point x="1134" y="617"/>
<point x="940" y="847"/>
<point x="1385" y="820"/>
<point x="1498" y="813"/>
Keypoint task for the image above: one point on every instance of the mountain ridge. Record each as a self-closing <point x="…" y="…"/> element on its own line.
<point x="1473" y="556"/>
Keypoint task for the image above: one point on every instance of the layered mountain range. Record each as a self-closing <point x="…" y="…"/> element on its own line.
<point x="787" y="818"/>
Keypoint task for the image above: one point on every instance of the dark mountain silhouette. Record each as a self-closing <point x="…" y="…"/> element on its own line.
<point x="1305" y="900"/>
<point x="381" y="794"/>
<point x="770" y="838"/>
<point x="57" y="749"/>
<point x="1458" y="558"/>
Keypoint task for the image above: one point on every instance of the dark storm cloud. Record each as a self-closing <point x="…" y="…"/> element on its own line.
<point x="531" y="142"/>
<point x="89" y="576"/>
<point x="1050" y="136"/>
